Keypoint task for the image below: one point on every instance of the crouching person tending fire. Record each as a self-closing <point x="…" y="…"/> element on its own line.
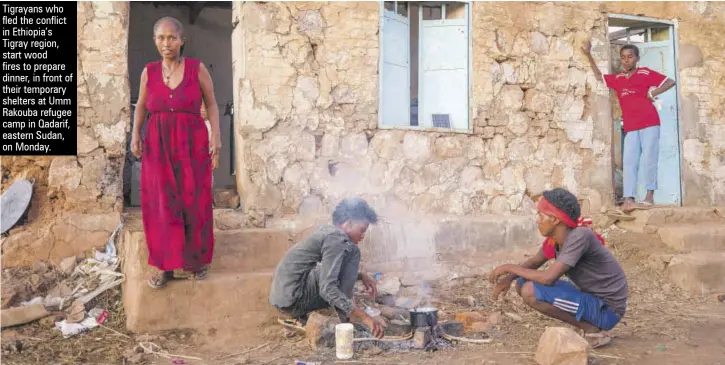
<point x="320" y="272"/>
<point x="595" y="298"/>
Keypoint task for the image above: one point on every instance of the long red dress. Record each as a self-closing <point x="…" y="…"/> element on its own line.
<point x="176" y="173"/>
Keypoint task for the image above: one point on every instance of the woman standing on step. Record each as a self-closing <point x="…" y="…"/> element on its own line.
<point x="177" y="155"/>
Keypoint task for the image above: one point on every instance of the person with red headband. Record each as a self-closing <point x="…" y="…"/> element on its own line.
<point x="594" y="299"/>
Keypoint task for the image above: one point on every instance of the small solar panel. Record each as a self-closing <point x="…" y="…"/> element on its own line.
<point x="441" y="120"/>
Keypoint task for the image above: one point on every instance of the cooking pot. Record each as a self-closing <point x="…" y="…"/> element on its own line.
<point x="423" y="317"/>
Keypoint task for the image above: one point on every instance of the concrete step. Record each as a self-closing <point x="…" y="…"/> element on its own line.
<point x="699" y="273"/>
<point x="649" y="221"/>
<point x="235" y="251"/>
<point x="694" y="237"/>
<point x="223" y="302"/>
<point x="231" y="306"/>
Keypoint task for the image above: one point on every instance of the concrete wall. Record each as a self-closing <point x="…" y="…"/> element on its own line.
<point x="77" y="201"/>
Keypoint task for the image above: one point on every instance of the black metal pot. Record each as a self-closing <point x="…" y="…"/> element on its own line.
<point x="423" y="317"/>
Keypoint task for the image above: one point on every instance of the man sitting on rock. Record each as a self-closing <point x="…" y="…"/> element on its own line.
<point x="320" y="272"/>
<point x="595" y="298"/>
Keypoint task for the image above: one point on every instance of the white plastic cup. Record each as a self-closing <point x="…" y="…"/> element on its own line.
<point x="344" y="333"/>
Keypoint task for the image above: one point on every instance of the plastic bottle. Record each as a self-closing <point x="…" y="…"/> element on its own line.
<point x="344" y="333"/>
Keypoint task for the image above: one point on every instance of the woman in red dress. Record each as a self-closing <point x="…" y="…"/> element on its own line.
<point x="177" y="155"/>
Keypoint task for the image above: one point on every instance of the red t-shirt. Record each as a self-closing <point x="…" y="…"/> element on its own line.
<point x="638" y="112"/>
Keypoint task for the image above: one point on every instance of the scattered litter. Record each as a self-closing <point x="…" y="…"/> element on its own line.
<point x="178" y="362"/>
<point x="71" y="329"/>
<point x="34" y="301"/>
<point x="372" y="312"/>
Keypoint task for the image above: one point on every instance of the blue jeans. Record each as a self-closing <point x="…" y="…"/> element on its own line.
<point x="584" y="306"/>
<point x="644" y="142"/>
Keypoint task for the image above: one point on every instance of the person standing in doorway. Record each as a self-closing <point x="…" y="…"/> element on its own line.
<point x="637" y="89"/>
<point x="177" y="157"/>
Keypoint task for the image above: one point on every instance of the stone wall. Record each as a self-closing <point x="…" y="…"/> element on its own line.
<point x="77" y="201"/>
<point x="307" y="99"/>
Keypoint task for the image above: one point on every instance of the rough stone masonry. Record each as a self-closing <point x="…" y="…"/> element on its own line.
<point x="77" y="201"/>
<point x="307" y="95"/>
<point x="306" y="103"/>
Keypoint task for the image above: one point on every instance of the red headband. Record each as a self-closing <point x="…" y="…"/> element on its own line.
<point x="549" y="209"/>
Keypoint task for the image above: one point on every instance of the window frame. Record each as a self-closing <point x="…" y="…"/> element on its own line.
<point x="469" y="72"/>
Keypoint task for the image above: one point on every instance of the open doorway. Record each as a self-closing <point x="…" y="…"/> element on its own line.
<point x="208" y="30"/>
<point x="656" y="40"/>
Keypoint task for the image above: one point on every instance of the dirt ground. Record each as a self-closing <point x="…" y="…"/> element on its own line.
<point x="662" y="326"/>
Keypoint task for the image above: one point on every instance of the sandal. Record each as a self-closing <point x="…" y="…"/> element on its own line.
<point x="598" y="339"/>
<point x="160" y="280"/>
<point x="292" y="323"/>
<point x="644" y="205"/>
<point x="199" y="274"/>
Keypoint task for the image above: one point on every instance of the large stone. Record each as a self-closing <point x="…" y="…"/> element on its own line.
<point x="562" y="346"/>
<point x="447" y="147"/>
<point x="698" y="273"/>
<point x="330" y="145"/>
<point x="65" y="173"/>
<point x="354" y="145"/>
<point x="539" y="101"/>
<point x="539" y="43"/>
<point x="320" y="330"/>
<point x="311" y="23"/>
<point x="227" y="219"/>
<point x="518" y="123"/>
<point x="416" y="147"/>
<point x="511" y="98"/>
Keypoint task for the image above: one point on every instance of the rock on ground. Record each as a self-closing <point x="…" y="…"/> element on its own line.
<point x="562" y="346"/>
<point x="320" y="330"/>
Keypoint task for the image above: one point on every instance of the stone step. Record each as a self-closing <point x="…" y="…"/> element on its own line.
<point x="223" y="302"/>
<point x="235" y="251"/>
<point x="694" y="237"/>
<point x="230" y="306"/>
<point x="699" y="273"/>
<point x="650" y="220"/>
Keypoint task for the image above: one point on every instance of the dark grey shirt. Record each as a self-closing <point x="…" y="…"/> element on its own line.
<point x="328" y="246"/>
<point x="593" y="269"/>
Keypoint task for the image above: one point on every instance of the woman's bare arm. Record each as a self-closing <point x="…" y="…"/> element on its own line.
<point x="139" y="114"/>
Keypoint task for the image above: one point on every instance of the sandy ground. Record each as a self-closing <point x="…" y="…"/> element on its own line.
<point x="662" y="326"/>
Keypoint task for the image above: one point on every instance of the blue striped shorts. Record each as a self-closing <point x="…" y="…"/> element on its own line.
<point x="584" y="306"/>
